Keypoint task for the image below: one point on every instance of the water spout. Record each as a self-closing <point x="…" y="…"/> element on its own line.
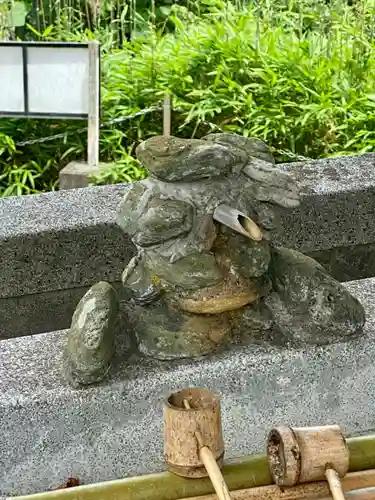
<point x="239" y="222"/>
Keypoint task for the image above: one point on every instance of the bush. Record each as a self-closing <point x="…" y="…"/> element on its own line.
<point x="298" y="75"/>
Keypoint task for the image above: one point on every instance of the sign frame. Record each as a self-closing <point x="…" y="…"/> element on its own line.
<point x="24" y="45"/>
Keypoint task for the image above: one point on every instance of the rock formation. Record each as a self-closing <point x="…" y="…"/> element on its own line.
<point x="90" y="344"/>
<point x="206" y="273"/>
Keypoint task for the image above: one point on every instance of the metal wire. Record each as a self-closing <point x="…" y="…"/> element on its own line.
<point x="62" y="135"/>
<point x="114" y="121"/>
<point x="121" y="119"/>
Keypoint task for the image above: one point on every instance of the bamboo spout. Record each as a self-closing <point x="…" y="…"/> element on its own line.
<point x="239" y="222"/>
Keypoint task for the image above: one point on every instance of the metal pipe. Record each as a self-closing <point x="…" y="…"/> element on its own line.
<point x="239" y="222"/>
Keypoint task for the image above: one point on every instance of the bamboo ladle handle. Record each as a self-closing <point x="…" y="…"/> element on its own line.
<point x="334" y="484"/>
<point x="210" y="464"/>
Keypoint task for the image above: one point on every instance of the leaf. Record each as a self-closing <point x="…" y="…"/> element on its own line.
<point x="18" y="14"/>
<point x="48" y="31"/>
<point x="33" y="30"/>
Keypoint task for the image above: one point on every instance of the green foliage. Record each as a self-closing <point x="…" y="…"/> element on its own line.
<point x="19" y="177"/>
<point x="298" y="74"/>
<point x="127" y="169"/>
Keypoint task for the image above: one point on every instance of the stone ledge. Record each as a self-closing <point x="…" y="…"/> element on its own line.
<point x="48" y="311"/>
<point x="41" y="312"/>
<point x="59" y="211"/>
<point x="69" y="239"/>
<point x="61" y="260"/>
<point x="334" y="175"/>
<point x="337" y="205"/>
<point x="50" y="431"/>
<point x="62" y="241"/>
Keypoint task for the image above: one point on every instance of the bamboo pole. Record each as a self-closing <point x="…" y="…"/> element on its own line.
<point x="248" y="472"/>
<point x="314" y="490"/>
<point x="305" y="454"/>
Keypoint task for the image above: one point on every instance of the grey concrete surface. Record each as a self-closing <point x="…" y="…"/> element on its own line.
<point x="348" y="263"/>
<point x="40" y="312"/>
<point x="50" y="431"/>
<point x="338" y="204"/>
<point x="77" y="174"/>
<point x="55" y="243"/>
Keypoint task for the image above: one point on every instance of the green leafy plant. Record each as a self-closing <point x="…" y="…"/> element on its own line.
<point x="127" y="169"/>
<point x="24" y="178"/>
<point x="298" y="74"/>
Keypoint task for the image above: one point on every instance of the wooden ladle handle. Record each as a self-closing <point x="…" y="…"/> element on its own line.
<point x="208" y="459"/>
<point x="334" y="484"/>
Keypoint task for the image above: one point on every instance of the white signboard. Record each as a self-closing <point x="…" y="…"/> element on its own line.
<point x="44" y="80"/>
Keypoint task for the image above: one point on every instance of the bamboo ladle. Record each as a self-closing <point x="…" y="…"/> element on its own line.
<point x="193" y="441"/>
<point x="209" y="462"/>
<point x="301" y="455"/>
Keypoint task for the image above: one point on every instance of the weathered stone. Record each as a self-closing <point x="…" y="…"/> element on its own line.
<point x="199" y="240"/>
<point x="244" y="256"/>
<point x="194" y="271"/>
<point x="266" y="216"/>
<point x="251" y="146"/>
<point x="270" y="184"/>
<point x="138" y="283"/>
<point x="203" y="266"/>
<point x="163" y="220"/>
<point x="230" y="294"/>
<point x="173" y="159"/>
<point x="251" y="323"/>
<point x="165" y="332"/>
<point x="131" y="208"/>
<point x="307" y="304"/>
<point x="89" y="349"/>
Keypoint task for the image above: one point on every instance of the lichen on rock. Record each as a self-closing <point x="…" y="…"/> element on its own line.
<point x="165" y="332"/>
<point x="171" y="159"/>
<point x="90" y="344"/>
<point x="307" y="304"/>
<point x="207" y="269"/>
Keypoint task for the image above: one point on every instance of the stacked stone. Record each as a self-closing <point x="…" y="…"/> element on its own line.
<point x="197" y="285"/>
<point x="192" y="276"/>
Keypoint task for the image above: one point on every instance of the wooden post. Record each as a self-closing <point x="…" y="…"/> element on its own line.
<point x="94" y="105"/>
<point x="167" y="115"/>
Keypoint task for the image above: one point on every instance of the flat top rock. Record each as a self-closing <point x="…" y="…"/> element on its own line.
<point x="52" y="431"/>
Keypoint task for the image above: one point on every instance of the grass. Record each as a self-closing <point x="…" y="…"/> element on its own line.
<point x="299" y="75"/>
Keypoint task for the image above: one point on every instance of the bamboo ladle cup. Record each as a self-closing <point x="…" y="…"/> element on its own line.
<point x="301" y="455"/>
<point x="193" y="442"/>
